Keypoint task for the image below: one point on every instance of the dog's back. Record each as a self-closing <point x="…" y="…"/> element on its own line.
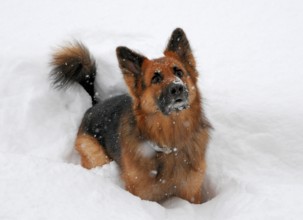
<point x="98" y="135"/>
<point x="102" y="121"/>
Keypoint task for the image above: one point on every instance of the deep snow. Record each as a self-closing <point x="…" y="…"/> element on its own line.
<point x="249" y="56"/>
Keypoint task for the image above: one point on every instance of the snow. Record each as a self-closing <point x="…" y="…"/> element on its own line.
<point x="249" y="55"/>
<point x="148" y="149"/>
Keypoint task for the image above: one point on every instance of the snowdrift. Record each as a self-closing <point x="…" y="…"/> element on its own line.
<point x="249" y="57"/>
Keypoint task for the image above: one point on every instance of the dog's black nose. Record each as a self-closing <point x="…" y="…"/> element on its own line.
<point x="173" y="98"/>
<point x="176" y="89"/>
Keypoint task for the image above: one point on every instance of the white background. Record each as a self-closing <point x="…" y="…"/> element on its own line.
<point x="249" y="56"/>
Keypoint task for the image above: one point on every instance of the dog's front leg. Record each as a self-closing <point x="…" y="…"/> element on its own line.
<point x="191" y="190"/>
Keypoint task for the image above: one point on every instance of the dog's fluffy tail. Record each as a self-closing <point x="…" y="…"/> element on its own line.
<point x="74" y="64"/>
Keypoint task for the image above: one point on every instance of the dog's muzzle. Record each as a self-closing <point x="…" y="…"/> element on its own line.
<point x="173" y="98"/>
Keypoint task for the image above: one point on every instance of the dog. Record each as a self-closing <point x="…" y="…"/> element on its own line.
<point x="157" y="133"/>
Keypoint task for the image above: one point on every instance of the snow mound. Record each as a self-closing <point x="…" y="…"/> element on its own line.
<point x="249" y="56"/>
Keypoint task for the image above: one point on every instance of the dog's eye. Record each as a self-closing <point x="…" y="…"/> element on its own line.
<point x="178" y="72"/>
<point x="157" y="78"/>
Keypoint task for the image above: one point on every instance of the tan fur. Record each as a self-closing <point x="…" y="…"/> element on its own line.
<point x="190" y="64"/>
<point x="91" y="152"/>
<point x="181" y="172"/>
<point x="149" y="173"/>
<point x="76" y="52"/>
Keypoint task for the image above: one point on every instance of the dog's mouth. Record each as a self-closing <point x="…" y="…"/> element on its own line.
<point x="169" y="101"/>
<point x="177" y="106"/>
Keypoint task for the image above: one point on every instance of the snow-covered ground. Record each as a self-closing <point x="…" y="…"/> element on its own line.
<point x="249" y="56"/>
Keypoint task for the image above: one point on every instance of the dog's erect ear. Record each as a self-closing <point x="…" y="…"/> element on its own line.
<point x="130" y="63"/>
<point x="178" y="47"/>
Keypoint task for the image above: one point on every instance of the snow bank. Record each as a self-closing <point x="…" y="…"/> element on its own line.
<point x="249" y="55"/>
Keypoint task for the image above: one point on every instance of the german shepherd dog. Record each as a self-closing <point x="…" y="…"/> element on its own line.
<point x="157" y="133"/>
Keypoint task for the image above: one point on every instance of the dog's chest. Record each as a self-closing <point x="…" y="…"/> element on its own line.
<point x="173" y="172"/>
<point x="176" y="163"/>
<point x="168" y="163"/>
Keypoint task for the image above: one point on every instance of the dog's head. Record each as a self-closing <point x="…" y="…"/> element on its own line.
<point x="166" y="84"/>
